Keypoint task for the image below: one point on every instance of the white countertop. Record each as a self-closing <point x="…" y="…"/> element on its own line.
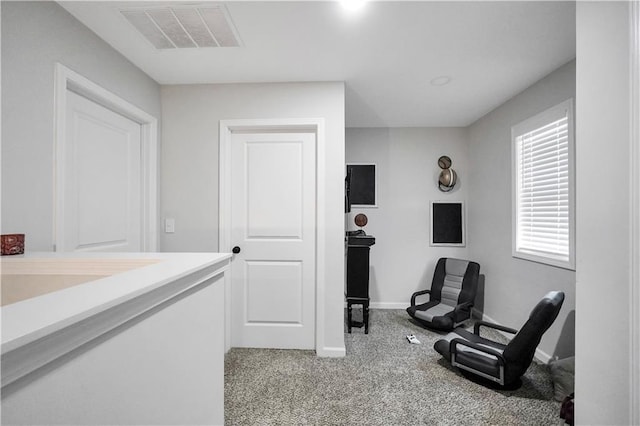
<point x="28" y="320"/>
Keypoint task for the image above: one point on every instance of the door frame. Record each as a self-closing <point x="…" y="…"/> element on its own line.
<point x="634" y="196"/>
<point x="311" y="125"/>
<point x="69" y="80"/>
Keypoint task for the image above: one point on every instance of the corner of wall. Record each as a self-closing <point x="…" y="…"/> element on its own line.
<point x="331" y="352"/>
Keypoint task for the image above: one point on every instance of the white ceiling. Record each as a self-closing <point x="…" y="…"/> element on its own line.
<point x="386" y="54"/>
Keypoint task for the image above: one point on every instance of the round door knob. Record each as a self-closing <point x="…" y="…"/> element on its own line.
<point x="236" y="250"/>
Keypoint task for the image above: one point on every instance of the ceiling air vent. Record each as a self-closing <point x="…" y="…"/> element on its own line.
<point x="184" y="27"/>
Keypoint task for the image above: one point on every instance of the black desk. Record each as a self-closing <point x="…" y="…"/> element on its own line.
<point x="358" y="247"/>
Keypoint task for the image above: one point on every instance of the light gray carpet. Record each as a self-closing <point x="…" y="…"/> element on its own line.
<point x="383" y="380"/>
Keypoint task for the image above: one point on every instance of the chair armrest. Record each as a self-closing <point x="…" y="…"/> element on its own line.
<point x="453" y="348"/>
<point x="418" y="293"/>
<point x="476" y="327"/>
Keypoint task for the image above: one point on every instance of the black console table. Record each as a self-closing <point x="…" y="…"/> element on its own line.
<point x="358" y="247"/>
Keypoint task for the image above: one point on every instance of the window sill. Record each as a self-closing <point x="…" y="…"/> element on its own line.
<point x="549" y="261"/>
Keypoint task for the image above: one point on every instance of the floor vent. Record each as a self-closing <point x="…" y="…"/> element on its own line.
<point x="184" y="27"/>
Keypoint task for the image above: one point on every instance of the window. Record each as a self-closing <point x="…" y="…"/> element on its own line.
<point x="543" y="187"/>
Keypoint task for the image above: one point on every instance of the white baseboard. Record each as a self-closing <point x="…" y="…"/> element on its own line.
<point x="388" y="305"/>
<point x="385" y="305"/>
<point x="540" y="355"/>
<point x="329" y="352"/>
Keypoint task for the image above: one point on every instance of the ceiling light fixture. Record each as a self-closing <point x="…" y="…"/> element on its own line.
<point x="441" y="81"/>
<point x="353" y="5"/>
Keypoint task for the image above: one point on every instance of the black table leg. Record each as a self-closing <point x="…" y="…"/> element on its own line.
<point x="365" y="315"/>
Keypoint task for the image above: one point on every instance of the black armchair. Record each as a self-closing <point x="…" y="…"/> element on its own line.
<point x="451" y="297"/>
<point x="499" y="363"/>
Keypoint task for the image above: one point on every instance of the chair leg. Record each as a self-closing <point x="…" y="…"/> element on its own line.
<point x="349" y="309"/>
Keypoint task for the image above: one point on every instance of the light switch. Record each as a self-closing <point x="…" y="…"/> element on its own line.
<point x="169" y="226"/>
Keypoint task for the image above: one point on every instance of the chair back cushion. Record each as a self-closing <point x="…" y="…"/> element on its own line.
<point x="455" y="281"/>
<point x="521" y="349"/>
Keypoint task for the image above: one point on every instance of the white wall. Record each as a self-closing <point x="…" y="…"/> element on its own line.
<point x="603" y="352"/>
<point x="401" y="261"/>
<point x="513" y="286"/>
<point x="191" y="115"/>
<point x="36" y="35"/>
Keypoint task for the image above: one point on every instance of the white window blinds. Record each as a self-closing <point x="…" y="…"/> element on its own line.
<point x="543" y="196"/>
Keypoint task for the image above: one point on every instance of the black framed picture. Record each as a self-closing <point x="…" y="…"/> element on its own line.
<point x="447" y="223"/>
<point x="363" y="191"/>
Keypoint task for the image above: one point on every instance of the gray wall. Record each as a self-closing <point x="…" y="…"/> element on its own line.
<point x="402" y="261"/>
<point x="604" y="244"/>
<point x="36" y="35"/>
<point x="513" y="286"/>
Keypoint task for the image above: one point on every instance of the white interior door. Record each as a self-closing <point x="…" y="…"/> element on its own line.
<point x="273" y="212"/>
<point x="102" y="180"/>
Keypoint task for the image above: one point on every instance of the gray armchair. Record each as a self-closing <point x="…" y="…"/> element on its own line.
<point x="451" y="297"/>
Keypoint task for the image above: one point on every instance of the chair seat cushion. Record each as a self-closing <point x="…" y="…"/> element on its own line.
<point x="433" y="314"/>
<point x="437" y="310"/>
<point x="422" y="307"/>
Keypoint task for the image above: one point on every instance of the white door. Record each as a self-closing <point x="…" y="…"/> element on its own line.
<point x="102" y="203"/>
<point x="273" y="211"/>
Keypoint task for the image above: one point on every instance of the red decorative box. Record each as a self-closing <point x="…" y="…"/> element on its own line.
<point x="12" y="244"/>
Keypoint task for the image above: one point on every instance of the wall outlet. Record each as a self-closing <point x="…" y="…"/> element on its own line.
<point x="169" y="226"/>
